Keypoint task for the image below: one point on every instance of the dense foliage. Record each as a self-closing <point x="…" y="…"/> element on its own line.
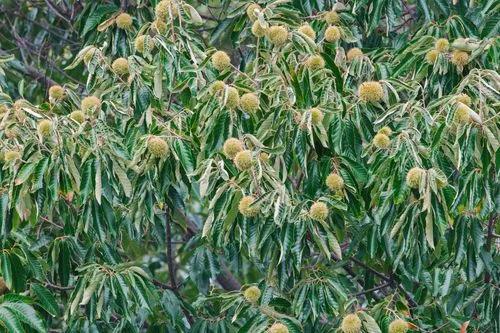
<point x="224" y="166"/>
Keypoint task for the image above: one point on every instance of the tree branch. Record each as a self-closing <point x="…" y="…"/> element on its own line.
<point x="30" y="71"/>
<point x="399" y="286"/>
<point x="57" y="287"/>
<point x="23" y="43"/>
<point x="57" y="10"/>
<point x="161" y="284"/>
<point x="124" y="5"/>
<point x="170" y="256"/>
<point x="171" y="266"/>
<point x="382" y="286"/>
<point x="355" y="277"/>
<point x="227" y="280"/>
<point x="489" y="241"/>
<point x="42" y="25"/>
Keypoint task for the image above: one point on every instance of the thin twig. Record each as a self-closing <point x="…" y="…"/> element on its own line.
<point x="57" y="287"/>
<point x="382" y="286"/>
<point x="489" y="241"/>
<point x="161" y="284"/>
<point x="30" y="71"/>
<point x="57" y="10"/>
<point x="355" y="276"/>
<point x="124" y="5"/>
<point x="43" y="218"/>
<point x="171" y="266"/>
<point x="170" y="255"/>
<point x="409" y="298"/>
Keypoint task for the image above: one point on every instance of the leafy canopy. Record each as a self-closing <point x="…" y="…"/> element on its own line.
<point x="223" y="166"/>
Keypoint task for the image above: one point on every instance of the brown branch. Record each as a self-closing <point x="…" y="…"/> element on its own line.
<point x="23" y="43"/>
<point x="57" y="10"/>
<point x="30" y="71"/>
<point x="41" y="25"/>
<point x="57" y="287"/>
<point x="170" y="255"/>
<point x="365" y="266"/>
<point x="388" y="279"/>
<point x="382" y="286"/>
<point x="124" y="5"/>
<point x="161" y="284"/>
<point x="227" y="280"/>
<point x="399" y="286"/>
<point x="351" y="273"/>
<point x="489" y="241"/>
<point x="43" y="218"/>
<point x="171" y="266"/>
<point x="210" y="18"/>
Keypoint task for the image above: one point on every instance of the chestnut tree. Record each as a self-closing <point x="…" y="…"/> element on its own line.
<point x="231" y="166"/>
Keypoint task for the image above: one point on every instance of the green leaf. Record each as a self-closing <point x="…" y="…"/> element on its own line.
<point x="39" y="173"/>
<point x="429" y="229"/>
<point x="26" y="314"/>
<point x="124" y="181"/>
<point x="423" y="5"/>
<point x="91" y="287"/>
<point x="25" y="172"/>
<point x="158" y="83"/>
<point x="185" y="156"/>
<point x="6" y="269"/>
<point x="9" y="321"/>
<point x="98" y="181"/>
<point x="375" y="14"/>
<point x="45" y="299"/>
<point x="95" y="17"/>
<point x="369" y="323"/>
<point x="293" y="325"/>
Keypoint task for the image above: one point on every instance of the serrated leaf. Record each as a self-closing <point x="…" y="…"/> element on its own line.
<point x="429" y="229"/>
<point x="98" y="181"/>
<point x="26" y="314"/>
<point x="123" y="178"/>
<point x="45" y="299"/>
<point x="9" y="321"/>
<point x="369" y="323"/>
